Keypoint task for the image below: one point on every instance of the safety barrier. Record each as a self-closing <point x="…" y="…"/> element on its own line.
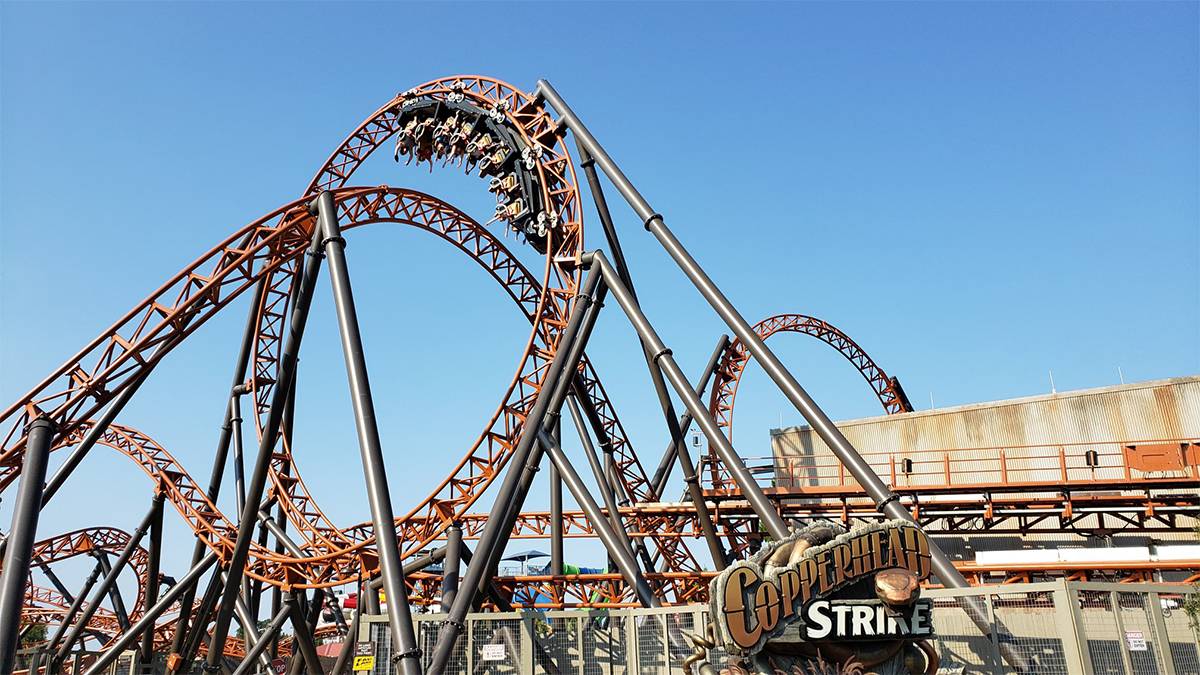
<point x="1108" y="465"/>
<point x="1061" y="627"/>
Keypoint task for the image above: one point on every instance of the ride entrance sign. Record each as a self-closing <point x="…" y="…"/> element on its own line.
<point x="827" y="594"/>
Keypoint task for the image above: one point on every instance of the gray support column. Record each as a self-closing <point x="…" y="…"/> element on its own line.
<point x="93" y="435"/>
<point x="249" y="628"/>
<point x="270" y="435"/>
<point x="146" y="622"/>
<point x="371" y="598"/>
<point x="201" y="617"/>
<point x="268" y="634"/>
<point x="572" y="343"/>
<point x="413" y="566"/>
<point x="108" y="584"/>
<point x="114" y="595"/>
<point x="616" y="547"/>
<point x="346" y="655"/>
<point x="302" y="637"/>
<point x="556" y="522"/>
<point x="55" y="581"/>
<point x="452" y="567"/>
<point x="153" y="567"/>
<point x="597" y="424"/>
<point x="239" y="461"/>
<point x="678" y="442"/>
<point x="217" y="473"/>
<point x="76" y="605"/>
<point x="21" y="535"/>
<point x="499" y="525"/>
<point x="282" y="538"/>
<point x="737" y="469"/>
<point x="606" y="490"/>
<point x="663" y="473"/>
<point x="370" y="447"/>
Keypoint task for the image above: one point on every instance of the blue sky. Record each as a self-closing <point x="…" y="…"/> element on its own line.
<point x="978" y="193"/>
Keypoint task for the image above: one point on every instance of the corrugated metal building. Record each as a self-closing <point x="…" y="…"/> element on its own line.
<point x="1144" y="411"/>
<point x="1074" y="436"/>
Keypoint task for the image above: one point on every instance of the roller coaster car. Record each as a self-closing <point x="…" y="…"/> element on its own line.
<point x="480" y="139"/>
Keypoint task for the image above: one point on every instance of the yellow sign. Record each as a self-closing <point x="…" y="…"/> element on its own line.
<point x="751" y="603"/>
<point x="364" y="663"/>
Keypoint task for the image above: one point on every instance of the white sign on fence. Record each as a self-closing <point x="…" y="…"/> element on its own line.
<point x="1136" y="640"/>
<point x="494" y="653"/>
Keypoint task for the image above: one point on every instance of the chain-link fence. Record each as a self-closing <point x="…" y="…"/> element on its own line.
<point x="1066" y="628"/>
<point x="1056" y="628"/>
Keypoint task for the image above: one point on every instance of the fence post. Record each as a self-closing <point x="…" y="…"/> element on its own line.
<point x="1114" y="600"/>
<point x="580" y="624"/>
<point x="665" y="619"/>
<point x="1162" y="639"/>
<point x="1066" y="614"/>
<point x="470" y="646"/>
<point x="527" y="640"/>
<point x="631" y="643"/>
<point x="997" y="662"/>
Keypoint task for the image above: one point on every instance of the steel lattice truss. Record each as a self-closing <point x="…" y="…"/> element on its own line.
<point x="512" y="140"/>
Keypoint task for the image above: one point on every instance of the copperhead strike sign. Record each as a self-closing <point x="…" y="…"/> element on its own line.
<point x="791" y="583"/>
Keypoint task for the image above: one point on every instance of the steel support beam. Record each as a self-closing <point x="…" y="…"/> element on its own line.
<point x="302" y="638"/>
<point x="556" y="521"/>
<point x="369" y="444"/>
<point x="114" y="595"/>
<point x="617" y="548"/>
<point x="197" y="633"/>
<point x="507" y="503"/>
<point x="270" y="435"/>
<point x="820" y="422"/>
<point x="572" y="343"/>
<point x="152" y="571"/>
<point x="93" y="435"/>
<point x="346" y="655"/>
<point x="737" y="468"/>
<point x="76" y="605"/>
<point x="55" y="581"/>
<point x="217" y="473"/>
<point x="606" y="489"/>
<point x="239" y="461"/>
<point x="264" y="640"/>
<point x="249" y="624"/>
<point x="674" y="429"/>
<point x="146" y="622"/>
<point x="452" y="567"/>
<point x="109" y="582"/>
<point x="663" y="473"/>
<point x="21" y="535"/>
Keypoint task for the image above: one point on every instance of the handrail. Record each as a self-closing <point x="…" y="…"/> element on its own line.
<point x="1102" y="464"/>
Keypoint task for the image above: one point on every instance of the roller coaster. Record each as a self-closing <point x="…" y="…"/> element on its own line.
<point x="277" y="553"/>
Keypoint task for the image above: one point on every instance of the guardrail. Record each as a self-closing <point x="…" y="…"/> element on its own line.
<point x="1109" y="465"/>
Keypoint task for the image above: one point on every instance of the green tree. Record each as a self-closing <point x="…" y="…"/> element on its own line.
<point x="34" y="635"/>
<point x="261" y="626"/>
